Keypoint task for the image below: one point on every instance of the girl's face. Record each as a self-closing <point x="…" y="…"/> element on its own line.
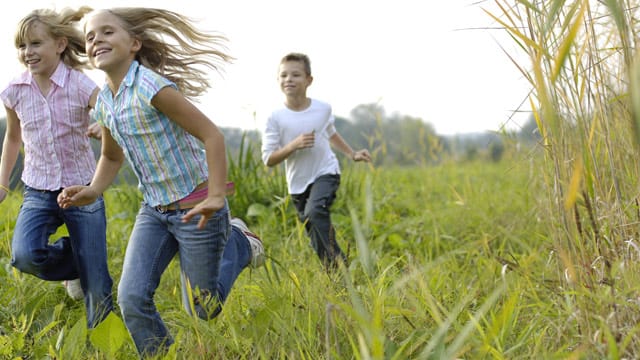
<point x="109" y="46"/>
<point x="293" y="79"/>
<point x="40" y="52"/>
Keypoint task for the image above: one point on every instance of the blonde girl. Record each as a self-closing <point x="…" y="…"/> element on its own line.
<point x="154" y="60"/>
<point x="47" y="109"/>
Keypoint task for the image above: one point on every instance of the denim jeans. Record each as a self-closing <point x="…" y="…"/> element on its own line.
<point x="313" y="207"/>
<point x="210" y="261"/>
<point x="82" y="254"/>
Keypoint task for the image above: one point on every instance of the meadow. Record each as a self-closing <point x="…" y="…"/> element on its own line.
<point x="449" y="261"/>
<point x="534" y="256"/>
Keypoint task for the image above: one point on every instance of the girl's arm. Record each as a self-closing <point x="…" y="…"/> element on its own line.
<point x="10" y="149"/>
<point x="111" y="159"/>
<point x="94" y="129"/>
<point x="180" y="110"/>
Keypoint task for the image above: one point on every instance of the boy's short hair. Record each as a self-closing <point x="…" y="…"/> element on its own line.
<point x="300" y="57"/>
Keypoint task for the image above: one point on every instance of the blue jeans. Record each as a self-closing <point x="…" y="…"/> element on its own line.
<point x="210" y="261"/>
<point x="82" y="254"/>
<point x="313" y="207"/>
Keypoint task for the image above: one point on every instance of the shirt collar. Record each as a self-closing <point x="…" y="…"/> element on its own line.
<point x="130" y="77"/>
<point x="59" y="76"/>
<point x="128" y="80"/>
<point x="131" y="73"/>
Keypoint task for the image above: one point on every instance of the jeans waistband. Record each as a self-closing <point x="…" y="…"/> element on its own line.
<point x="42" y="191"/>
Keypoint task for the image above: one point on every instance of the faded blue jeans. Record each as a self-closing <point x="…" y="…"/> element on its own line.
<point x="210" y="261"/>
<point x="82" y="254"/>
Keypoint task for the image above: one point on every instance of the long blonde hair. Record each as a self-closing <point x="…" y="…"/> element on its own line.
<point x="63" y="24"/>
<point x="186" y="60"/>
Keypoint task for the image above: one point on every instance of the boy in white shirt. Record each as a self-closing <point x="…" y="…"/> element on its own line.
<point x="301" y="134"/>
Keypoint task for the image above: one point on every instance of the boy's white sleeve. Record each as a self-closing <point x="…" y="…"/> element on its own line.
<point x="270" y="140"/>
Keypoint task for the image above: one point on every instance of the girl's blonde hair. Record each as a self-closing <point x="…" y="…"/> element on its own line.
<point x="63" y="24"/>
<point x="183" y="61"/>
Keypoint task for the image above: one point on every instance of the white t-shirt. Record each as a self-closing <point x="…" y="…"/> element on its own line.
<point x="304" y="166"/>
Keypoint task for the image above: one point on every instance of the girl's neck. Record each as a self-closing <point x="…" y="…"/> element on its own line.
<point x="297" y="103"/>
<point x="44" y="80"/>
<point x="115" y="76"/>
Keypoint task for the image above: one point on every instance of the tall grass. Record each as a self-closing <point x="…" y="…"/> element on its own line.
<point x="534" y="257"/>
<point x="440" y="267"/>
<point x="584" y="72"/>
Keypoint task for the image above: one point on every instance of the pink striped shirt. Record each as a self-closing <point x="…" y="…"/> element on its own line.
<point x="57" y="150"/>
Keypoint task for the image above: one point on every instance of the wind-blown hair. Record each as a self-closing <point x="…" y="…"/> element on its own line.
<point x="184" y="60"/>
<point x="63" y="24"/>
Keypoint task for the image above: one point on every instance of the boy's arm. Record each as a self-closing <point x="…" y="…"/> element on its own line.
<point x="272" y="153"/>
<point x="301" y="142"/>
<point x="339" y="143"/>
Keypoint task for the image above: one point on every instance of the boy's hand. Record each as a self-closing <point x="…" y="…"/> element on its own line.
<point x="362" y="155"/>
<point x="304" y="141"/>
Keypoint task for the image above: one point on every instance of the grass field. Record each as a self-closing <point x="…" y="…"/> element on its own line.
<point x="532" y="257"/>
<point x="449" y="261"/>
<point x="455" y="261"/>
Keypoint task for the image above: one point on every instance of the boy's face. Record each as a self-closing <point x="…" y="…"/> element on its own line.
<point x="293" y="79"/>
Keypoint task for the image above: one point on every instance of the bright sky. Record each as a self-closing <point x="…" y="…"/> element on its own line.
<point x="438" y="61"/>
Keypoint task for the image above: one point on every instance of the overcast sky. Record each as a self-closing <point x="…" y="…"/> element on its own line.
<point x="438" y="61"/>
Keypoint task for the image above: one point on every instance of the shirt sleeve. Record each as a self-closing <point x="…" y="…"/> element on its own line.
<point x="330" y="128"/>
<point x="86" y="86"/>
<point x="97" y="113"/>
<point x="270" y="139"/>
<point x="150" y="84"/>
<point x="8" y="97"/>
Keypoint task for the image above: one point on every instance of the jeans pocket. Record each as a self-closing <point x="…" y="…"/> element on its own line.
<point x="95" y="206"/>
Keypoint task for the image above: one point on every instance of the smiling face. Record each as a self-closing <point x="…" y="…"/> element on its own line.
<point x="39" y="51"/>
<point x="294" y="79"/>
<point x="110" y="47"/>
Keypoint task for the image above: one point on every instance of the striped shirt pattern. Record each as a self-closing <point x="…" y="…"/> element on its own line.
<point x="168" y="161"/>
<point x="57" y="151"/>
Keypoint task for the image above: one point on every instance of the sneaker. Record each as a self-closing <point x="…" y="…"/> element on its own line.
<point x="257" y="250"/>
<point x="74" y="289"/>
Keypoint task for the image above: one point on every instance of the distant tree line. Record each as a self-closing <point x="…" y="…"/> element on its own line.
<point x="400" y="140"/>
<point x="396" y="140"/>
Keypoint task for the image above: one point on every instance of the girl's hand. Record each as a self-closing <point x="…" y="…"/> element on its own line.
<point x="77" y="195"/>
<point x="206" y="208"/>
<point x="95" y="131"/>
